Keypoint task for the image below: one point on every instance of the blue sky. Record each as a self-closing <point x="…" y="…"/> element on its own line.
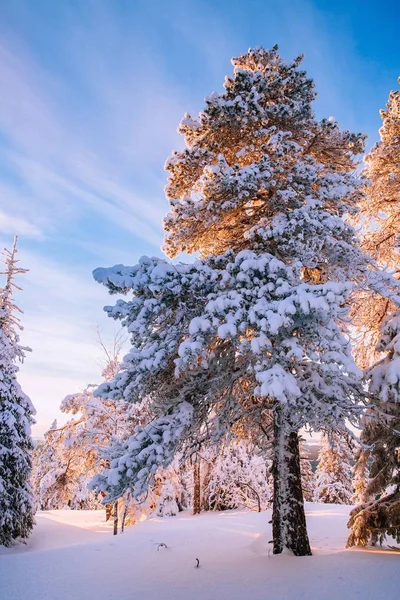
<point x="91" y="95"/>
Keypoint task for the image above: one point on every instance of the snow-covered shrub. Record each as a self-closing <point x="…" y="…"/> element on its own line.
<point x="167" y="504"/>
<point x="334" y="482"/>
<point x="237" y="477"/>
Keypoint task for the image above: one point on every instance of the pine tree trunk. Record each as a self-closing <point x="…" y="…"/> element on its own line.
<point x="288" y="516"/>
<point x="109" y="509"/>
<point x="116" y="517"/>
<point x="196" y="488"/>
<point x="124" y="516"/>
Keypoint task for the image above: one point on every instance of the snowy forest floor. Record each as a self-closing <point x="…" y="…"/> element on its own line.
<point x="73" y="555"/>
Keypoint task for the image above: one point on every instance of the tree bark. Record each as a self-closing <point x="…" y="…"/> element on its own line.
<point x="288" y="516"/>
<point x="116" y="517"/>
<point x="123" y="519"/>
<point x="125" y="512"/>
<point x="196" y="488"/>
<point x="109" y="510"/>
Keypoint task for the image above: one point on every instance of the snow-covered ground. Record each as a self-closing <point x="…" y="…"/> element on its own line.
<point x="73" y="555"/>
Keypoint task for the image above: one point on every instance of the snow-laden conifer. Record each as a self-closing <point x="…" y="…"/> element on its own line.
<point x="16" y="417"/>
<point x="167" y="504"/>
<point x="260" y="191"/>
<point x="378" y="514"/>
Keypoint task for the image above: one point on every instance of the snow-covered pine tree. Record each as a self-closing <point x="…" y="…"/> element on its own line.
<point x="217" y="344"/>
<point x="307" y="475"/>
<point x="167" y="504"/>
<point x="171" y="494"/>
<point x="333" y="477"/>
<point x="245" y="177"/>
<point x="379" y="513"/>
<point x="16" y="417"/>
<point x="379" y="219"/>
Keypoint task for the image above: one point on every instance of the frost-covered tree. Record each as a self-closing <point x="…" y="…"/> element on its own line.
<point x="49" y="473"/>
<point x="16" y="417"/>
<point x="333" y="477"/>
<point x="43" y="459"/>
<point x="171" y="495"/>
<point x="251" y="329"/>
<point x="237" y="477"/>
<point x="69" y="457"/>
<point x="307" y="474"/>
<point x="379" y="513"/>
<point x="381" y="206"/>
<point x="63" y="464"/>
<point x="167" y="504"/>
<point x="379" y="219"/>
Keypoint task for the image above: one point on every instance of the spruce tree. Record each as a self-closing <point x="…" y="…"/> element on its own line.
<point x="334" y="482"/>
<point x="16" y="418"/>
<point x="250" y="329"/>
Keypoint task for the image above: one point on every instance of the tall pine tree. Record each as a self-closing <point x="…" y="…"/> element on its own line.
<point x="16" y="418"/>
<point x="372" y="520"/>
<point x="260" y="191"/>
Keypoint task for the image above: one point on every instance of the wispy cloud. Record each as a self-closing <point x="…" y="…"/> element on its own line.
<point x="9" y="224"/>
<point x="63" y="162"/>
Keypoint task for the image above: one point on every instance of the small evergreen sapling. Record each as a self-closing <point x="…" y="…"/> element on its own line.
<point x="334" y="483"/>
<point x="167" y="504"/>
<point x="237" y="477"/>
